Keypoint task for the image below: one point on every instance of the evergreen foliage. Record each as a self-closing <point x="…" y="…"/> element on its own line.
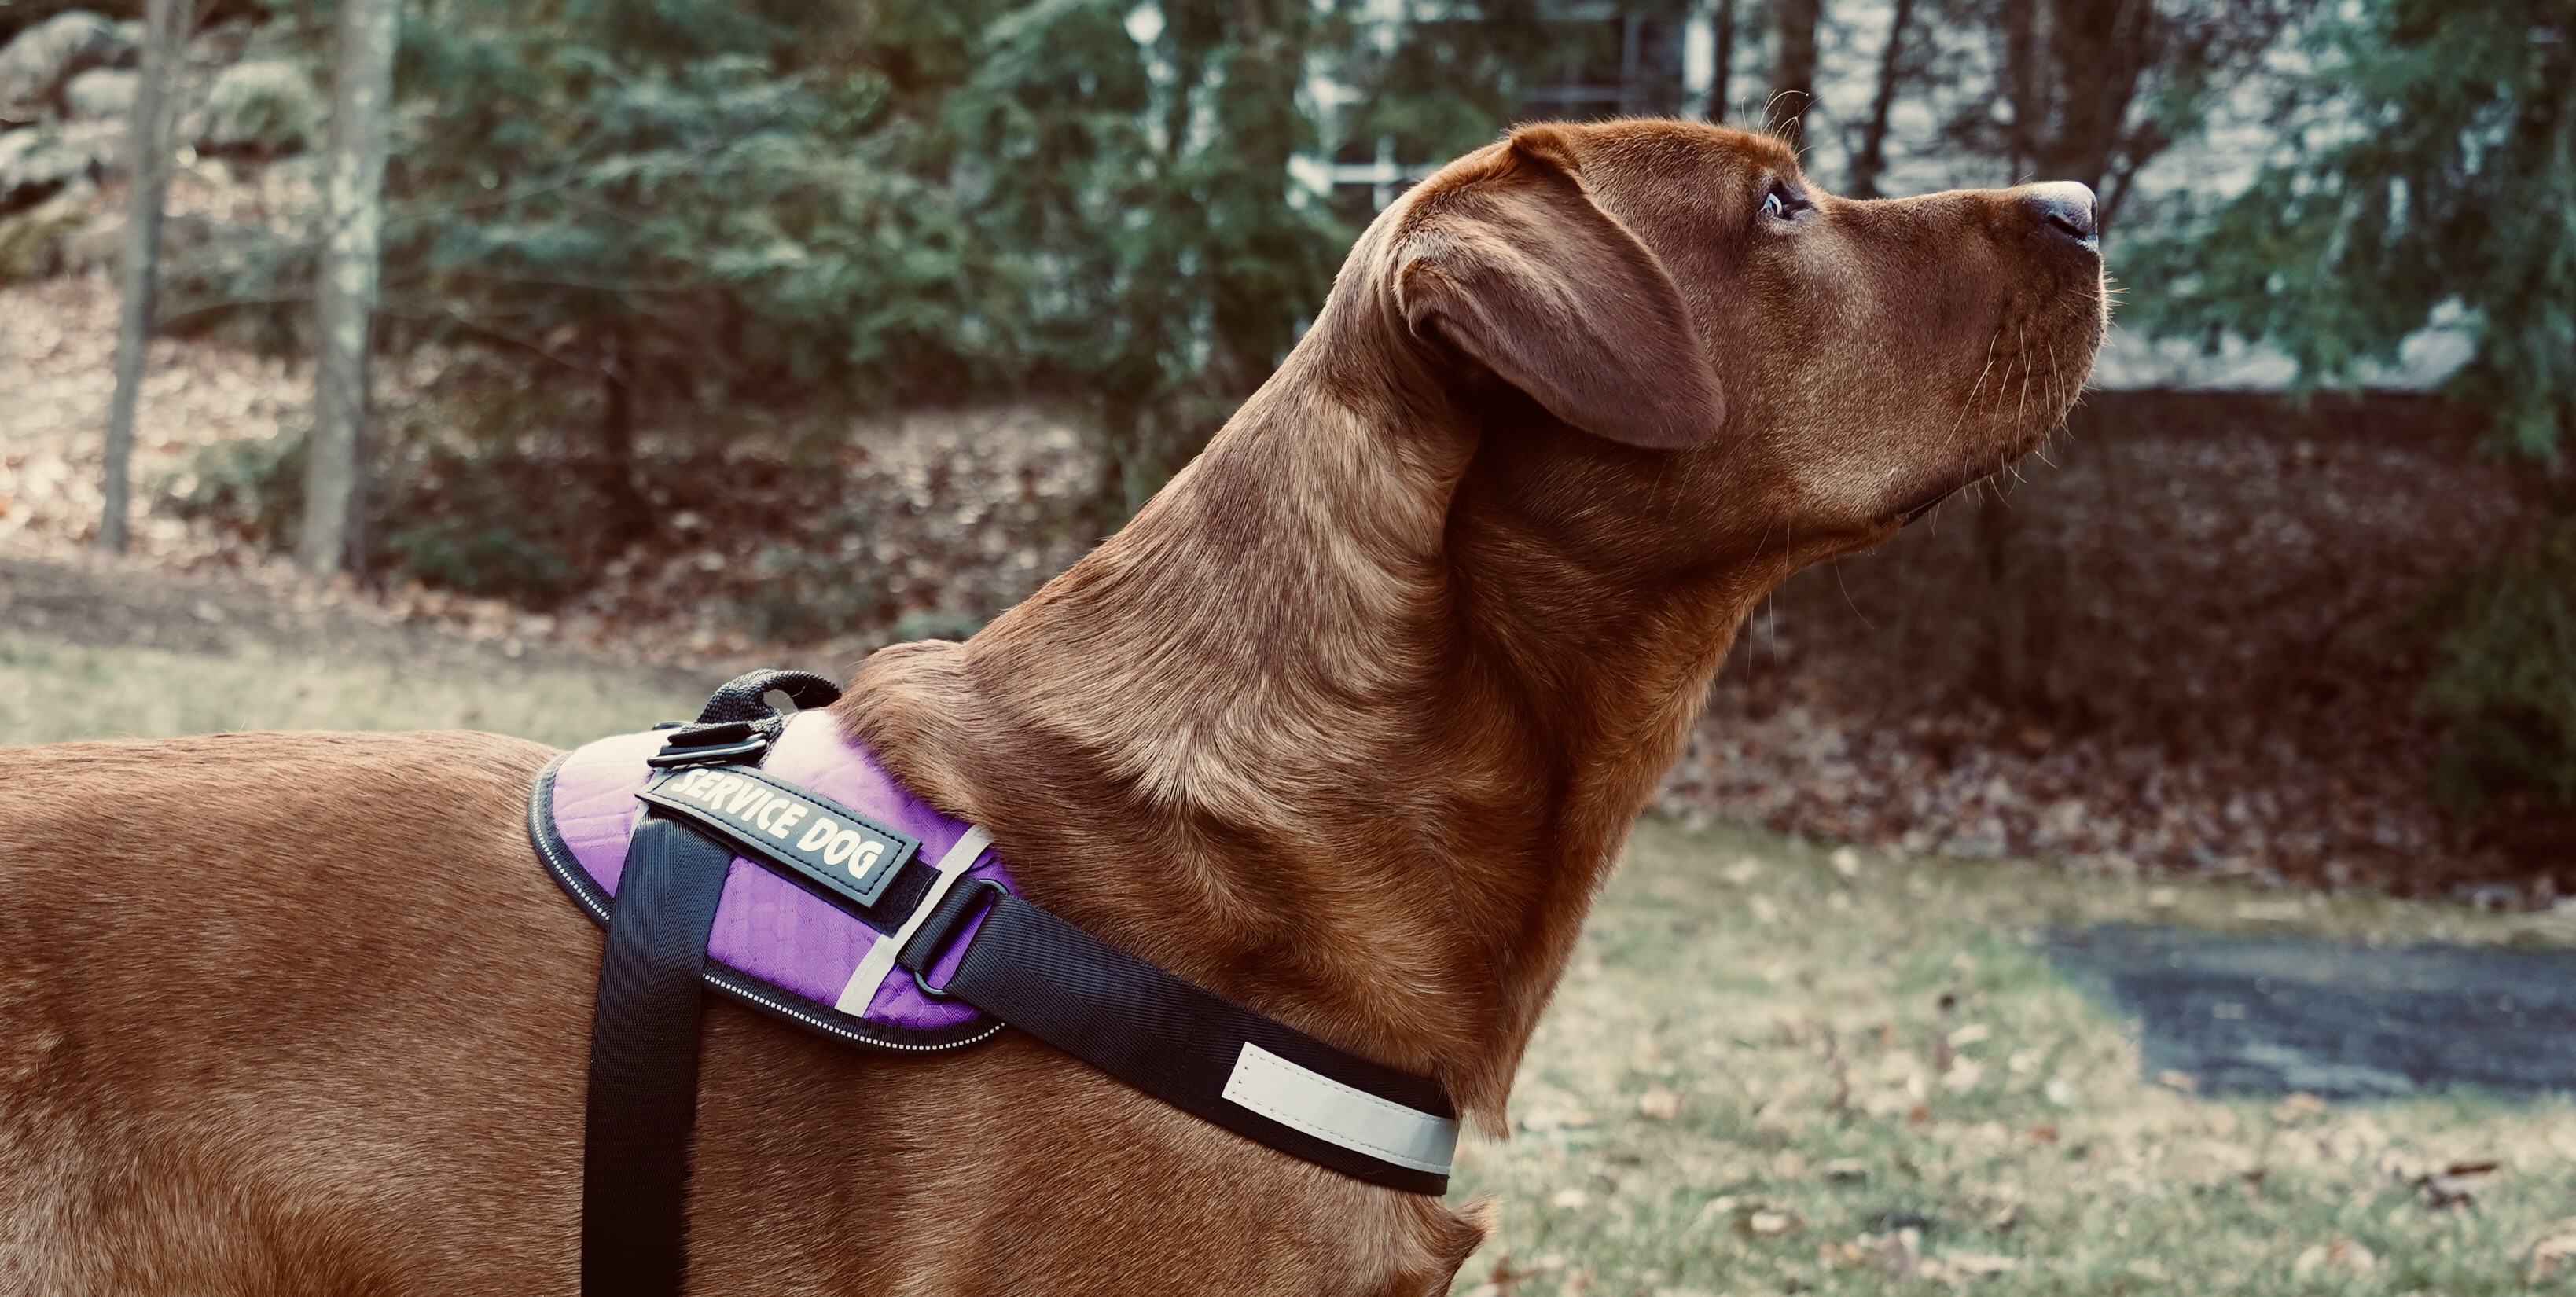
<point x="1126" y="168"/>
<point x="2507" y="672"/>
<point x="2428" y="163"/>
<point x="2427" y="173"/>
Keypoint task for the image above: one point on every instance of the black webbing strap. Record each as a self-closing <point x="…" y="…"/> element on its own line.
<point x="1171" y="1038"/>
<point x="644" y="1063"/>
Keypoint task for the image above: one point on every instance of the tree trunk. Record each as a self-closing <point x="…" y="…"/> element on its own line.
<point x="1871" y="161"/>
<point x="1793" y="76"/>
<point x="158" y="92"/>
<point x="362" y="78"/>
<point x="2015" y="665"/>
<point x="1723" y="61"/>
<point x="2022" y="79"/>
<point x="630" y="515"/>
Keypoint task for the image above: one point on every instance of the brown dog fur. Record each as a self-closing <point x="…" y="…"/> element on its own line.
<point x="1348" y="724"/>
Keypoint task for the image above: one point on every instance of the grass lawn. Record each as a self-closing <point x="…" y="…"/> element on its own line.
<point x="51" y="692"/>
<point x="1772" y="1068"/>
<point x="1767" y="1073"/>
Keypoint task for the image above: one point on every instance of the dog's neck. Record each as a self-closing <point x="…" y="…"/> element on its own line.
<point x="1319" y="732"/>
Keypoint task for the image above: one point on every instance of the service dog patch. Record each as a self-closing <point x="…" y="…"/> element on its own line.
<point x="821" y="840"/>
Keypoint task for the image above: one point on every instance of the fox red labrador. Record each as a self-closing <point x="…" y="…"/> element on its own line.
<point x="1347" y="725"/>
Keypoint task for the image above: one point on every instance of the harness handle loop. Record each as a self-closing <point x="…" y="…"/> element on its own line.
<point x="743" y="697"/>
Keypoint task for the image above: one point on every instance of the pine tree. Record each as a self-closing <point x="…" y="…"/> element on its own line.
<point x="2428" y="164"/>
<point x="2427" y="173"/>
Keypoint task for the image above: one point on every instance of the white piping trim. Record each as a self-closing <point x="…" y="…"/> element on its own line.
<point x="879" y="961"/>
<point x="1317" y="1104"/>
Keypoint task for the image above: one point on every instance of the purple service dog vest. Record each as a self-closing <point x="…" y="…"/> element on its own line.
<point x="778" y="946"/>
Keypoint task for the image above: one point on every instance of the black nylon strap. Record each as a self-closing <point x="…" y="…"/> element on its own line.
<point x="1171" y="1038"/>
<point x="644" y="1063"/>
<point x="744" y="698"/>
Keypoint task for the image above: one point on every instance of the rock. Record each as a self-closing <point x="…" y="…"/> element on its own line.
<point x="32" y="241"/>
<point x="35" y="66"/>
<point x="264" y="106"/>
<point x="101" y="94"/>
<point x="94" y="245"/>
<point x="36" y="163"/>
<point x="102" y="142"/>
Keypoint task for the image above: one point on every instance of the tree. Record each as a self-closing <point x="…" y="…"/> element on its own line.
<point x="1721" y="59"/>
<point x="2093" y="90"/>
<point x="156" y="99"/>
<point x="333" y="534"/>
<point x="2427" y="172"/>
<point x="1869" y="161"/>
<point x="1793" y="68"/>
<point x="1131" y="185"/>
<point x="2428" y="163"/>
<point x="684" y="216"/>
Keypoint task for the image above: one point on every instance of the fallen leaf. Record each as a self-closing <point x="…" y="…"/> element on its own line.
<point x="2442" y="1191"/>
<point x="1539" y="1121"/>
<point x="2554" y="1250"/>
<point x="2298" y="1106"/>
<point x="1769" y="1223"/>
<point x="1659" y="1104"/>
<point x="1899" y="1252"/>
<point x="2270" y="911"/>
<point x="2341" y="1257"/>
<point x="1980" y="1264"/>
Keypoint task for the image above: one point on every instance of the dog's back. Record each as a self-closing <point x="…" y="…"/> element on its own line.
<point x="350" y="921"/>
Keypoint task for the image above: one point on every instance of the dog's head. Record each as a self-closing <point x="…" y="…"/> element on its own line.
<point x="1671" y="314"/>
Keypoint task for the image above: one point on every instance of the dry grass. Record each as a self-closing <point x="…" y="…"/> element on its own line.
<point x="1770" y="1074"/>
<point x="51" y="692"/>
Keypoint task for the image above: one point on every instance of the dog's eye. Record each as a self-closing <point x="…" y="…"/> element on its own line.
<point x="1782" y="202"/>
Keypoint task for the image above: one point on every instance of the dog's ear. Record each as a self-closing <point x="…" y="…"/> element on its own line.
<point x="1524" y="273"/>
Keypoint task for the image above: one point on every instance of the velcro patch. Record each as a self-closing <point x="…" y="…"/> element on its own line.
<point x="818" y="838"/>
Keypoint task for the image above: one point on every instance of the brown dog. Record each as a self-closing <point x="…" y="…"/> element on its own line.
<point x="1348" y="725"/>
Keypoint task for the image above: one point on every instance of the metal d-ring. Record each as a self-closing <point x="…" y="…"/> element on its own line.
<point x="932" y="942"/>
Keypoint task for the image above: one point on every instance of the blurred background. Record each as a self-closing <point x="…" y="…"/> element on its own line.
<point x="706" y="329"/>
<point x="588" y="350"/>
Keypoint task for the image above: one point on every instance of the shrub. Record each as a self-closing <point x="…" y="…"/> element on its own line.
<point x="2506" y="668"/>
<point x="253" y="487"/>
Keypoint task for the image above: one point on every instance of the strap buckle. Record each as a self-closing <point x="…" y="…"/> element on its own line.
<point x="923" y="952"/>
<point x="723" y="742"/>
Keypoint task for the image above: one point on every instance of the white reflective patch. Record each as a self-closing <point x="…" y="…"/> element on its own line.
<point x="1329" y="1110"/>
<point x="879" y="961"/>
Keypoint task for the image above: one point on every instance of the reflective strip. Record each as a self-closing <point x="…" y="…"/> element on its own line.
<point x="1329" y="1110"/>
<point x="879" y="961"/>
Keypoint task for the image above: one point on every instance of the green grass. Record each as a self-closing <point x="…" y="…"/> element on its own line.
<point x="1767" y="1074"/>
<point x="1764" y="1073"/>
<point x="52" y="692"/>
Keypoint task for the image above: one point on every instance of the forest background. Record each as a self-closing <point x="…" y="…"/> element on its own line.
<point x="721" y="327"/>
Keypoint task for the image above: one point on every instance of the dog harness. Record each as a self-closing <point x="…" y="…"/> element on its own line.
<point x="771" y="858"/>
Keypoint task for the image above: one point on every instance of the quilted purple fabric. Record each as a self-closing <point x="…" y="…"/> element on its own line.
<point x="766" y="926"/>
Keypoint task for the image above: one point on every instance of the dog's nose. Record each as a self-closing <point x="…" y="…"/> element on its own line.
<point x="2065" y="207"/>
